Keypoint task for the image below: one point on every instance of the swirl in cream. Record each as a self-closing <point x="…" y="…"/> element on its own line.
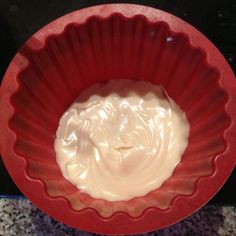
<point x="121" y="140"/>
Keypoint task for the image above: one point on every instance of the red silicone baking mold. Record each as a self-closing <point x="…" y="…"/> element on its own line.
<point x="117" y="41"/>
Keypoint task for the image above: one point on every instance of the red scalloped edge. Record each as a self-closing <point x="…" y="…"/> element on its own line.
<point x="229" y="108"/>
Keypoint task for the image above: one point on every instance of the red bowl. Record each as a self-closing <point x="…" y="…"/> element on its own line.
<point x="117" y="41"/>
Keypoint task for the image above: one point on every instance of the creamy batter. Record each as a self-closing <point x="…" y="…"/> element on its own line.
<point x="121" y="140"/>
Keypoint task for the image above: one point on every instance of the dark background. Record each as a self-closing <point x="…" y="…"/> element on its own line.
<point x="19" y="19"/>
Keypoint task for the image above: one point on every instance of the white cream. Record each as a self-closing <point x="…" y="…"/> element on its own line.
<point x="121" y="140"/>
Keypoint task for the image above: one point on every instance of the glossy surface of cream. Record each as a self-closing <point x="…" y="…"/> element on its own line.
<point x="121" y="140"/>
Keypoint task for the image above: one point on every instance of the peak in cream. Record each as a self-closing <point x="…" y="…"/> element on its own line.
<point x="121" y="140"/>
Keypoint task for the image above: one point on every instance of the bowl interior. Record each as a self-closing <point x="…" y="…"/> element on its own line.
<point x="118" y="48"/>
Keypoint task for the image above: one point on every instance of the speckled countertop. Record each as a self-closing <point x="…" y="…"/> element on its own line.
<point x="20" y="217"/>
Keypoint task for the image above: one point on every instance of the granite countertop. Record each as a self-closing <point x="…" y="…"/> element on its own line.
<point x="20" y="217"/>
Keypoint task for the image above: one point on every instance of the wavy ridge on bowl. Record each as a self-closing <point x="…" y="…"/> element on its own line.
<point x="118" y="48"/>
